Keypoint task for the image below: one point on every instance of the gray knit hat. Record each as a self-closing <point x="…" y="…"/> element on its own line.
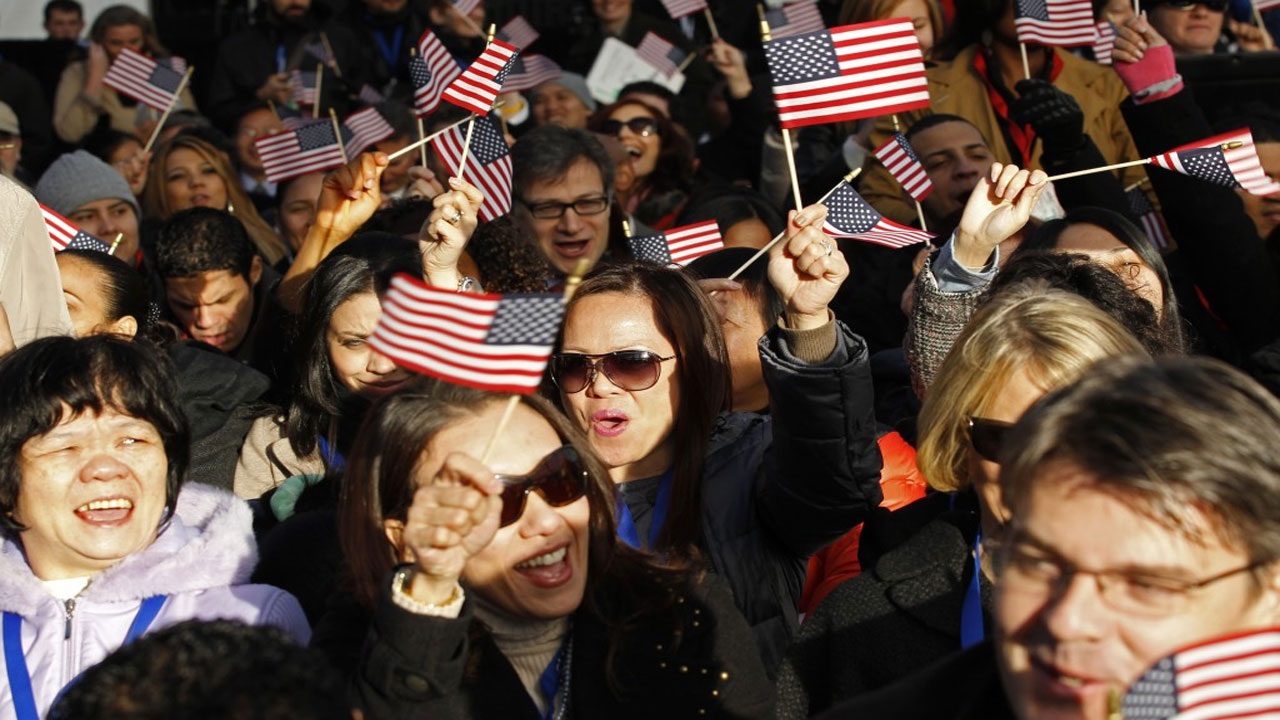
<point x="79" y="178"/>
<point x="576" y="84"/>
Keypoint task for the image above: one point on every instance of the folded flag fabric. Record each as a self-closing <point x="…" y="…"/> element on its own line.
<point x="1237" y="676"/>
<point x="796" y="18"/>
<point x="678" y="246"/>
<point x="478" y="86"/>
<point x="143" y="79"/>
<point x="493" y="342"/>
<point x="901" y="162"/>
<point x="318" y="50"/>
<point x="530" y="71"/>
<point x="292" y="118"/>
<point x="1059" y="23"/>
<point x="466" y="6"/>
<point x="847" y="72"/>
<point x="66" y="235"/>
<point x="304" y="86"/>
<point x="1105" y="44"/>
<point x="660" y="54"/>
<point x="369" y="95"/>
<point x="1265" y="5"/>
<point x="518" y="32"/>
<point x="1140" y="206"/>
<point x="175" y="63"/>
<point x="1229" y="159"/>
<point x="679" y="8"/>
<point x="431" y="70"/>
<point x="310" y="148"/>
<point x="365" y="127"/>
<point x="850" y="216"/>
<point x="488" y="167"/>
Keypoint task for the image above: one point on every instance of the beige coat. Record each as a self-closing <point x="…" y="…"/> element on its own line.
<point x="30" y="287"/>
<point x="955" y="88"/>
<point x="75" y="115"/>
<point x="267" y="459"/>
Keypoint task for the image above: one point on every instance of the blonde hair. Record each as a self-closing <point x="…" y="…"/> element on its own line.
<point x="860" y="11"/>
<point x="1052" y="335"/>
<point x="155" y="199"/>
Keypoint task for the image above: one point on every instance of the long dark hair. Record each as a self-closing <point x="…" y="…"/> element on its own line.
<point x="685" y="317"/>
<point x="674" y="167"/>
<point x="972" y="19"/>
<point x="363" y="264"/>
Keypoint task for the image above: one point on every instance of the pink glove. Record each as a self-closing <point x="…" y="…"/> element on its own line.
<point x="1154" y="77"/>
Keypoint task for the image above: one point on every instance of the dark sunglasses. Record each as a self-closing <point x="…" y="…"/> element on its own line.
<point x="642" y="126"/>
<point x="1213" y="5"/>
<point x="628" y="369"/>
<point x="987" y="437"/>
<point x="559" y="479"/>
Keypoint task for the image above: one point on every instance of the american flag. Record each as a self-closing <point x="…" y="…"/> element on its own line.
<point x="366" y="127"/>
<point x="291" y="118"/>
<point x="477" y="87"/>
<point x="493" y="342"/>
<point x="1055" y="22"/>
<point x="466" y="6"/>
<point x="1105" y="43"/>
<point x="1233" y="677"/>
<point x="369" y="95"/>
<point x="679" y="246"/>
<point x="1228" y="159"/>
<point x="432" y="69"/>
<point x="304" y="86"/>
<point x="849" y="216"/>
<point x="901" y="162"/>
<point x="680" y="8"/>
<point x="489" y="164"/>
<point x="847" y="72"/>
<point x="530" y="71"/>
<point x="143" y="79"/>
<point x="518" y="32"/>
<point x="175" y="63"/>
<point x="796" y="18"/>
<point x="660" y="54"/>
<point x="318" y="50"/>
<point x="65" y="235"/>
<point x="1140" y="206"/>
<point x="291" y="153"/>
<point x="1264" y="5"/>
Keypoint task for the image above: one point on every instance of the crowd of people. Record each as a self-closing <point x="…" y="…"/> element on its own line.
<point x="996" y="475"/>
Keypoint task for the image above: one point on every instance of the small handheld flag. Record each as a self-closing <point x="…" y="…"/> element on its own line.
<point x="1233" y="677"/>
<point x="491" y="169"/>
<point x="151" y="83"/>
<point x="65" y="235"/>
<point x="530" y="71"/>
<point x="850" y="216"/>
<point x="493" y="342"/>
<point x="1230" y="159"/>
<point x="680" y="8"/>
<point x="1105" y="44"/>
<point x="466" y="6"/>
<point x="1142" y="209"/>
<point x="660" y="54"/>
<point x="901" y="162"/>
<point x="479" y="85"/>
<point x="1059" y="23"/>
<point x="431" y="70"/>
<point x="847" y="72"/>
<point x="518" y="33"/>
<point x="795" y="18"/>
<point x="310" y="148"/>
<point x="365" y="127"/>
<point x="678" y="246"/>
<point x="304" y="83"/>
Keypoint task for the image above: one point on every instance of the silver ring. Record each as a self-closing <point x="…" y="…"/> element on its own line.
<point x="826" y="244"/>
<point x="457" y="215"/>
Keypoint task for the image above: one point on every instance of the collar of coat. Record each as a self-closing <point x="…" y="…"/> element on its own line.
<point x="929" y="570"/>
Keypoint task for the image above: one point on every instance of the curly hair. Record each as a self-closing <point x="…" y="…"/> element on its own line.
<point x="509" y="261"/>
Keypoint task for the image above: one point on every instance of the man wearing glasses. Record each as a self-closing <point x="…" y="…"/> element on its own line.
<point x="1146" y="517"/>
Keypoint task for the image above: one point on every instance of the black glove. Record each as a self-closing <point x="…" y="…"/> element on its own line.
<point x="1055" y="116"/>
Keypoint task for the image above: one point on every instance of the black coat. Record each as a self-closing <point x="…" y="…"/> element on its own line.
<point x="885" y="625"/>
<point x="964" y="686"/>
<point x="417" y="666"/>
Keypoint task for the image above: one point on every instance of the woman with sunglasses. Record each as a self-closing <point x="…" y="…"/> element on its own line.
<point x="923" y="599"/>
<point x="643" y="371"/>
<point x="661" y="158"/>
<point x="1196" y="27"/>
<point x="498" y="588"/>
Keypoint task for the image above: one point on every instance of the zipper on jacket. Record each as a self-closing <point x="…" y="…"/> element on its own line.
<point x="70" y="605"/>
<point x="68" y="671"/>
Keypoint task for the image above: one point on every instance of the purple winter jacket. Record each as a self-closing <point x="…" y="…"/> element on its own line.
<point x="201" y="561"/>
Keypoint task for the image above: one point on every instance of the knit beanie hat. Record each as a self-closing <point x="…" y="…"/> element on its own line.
<point x="576" y="84"/>
<point x="78" y="178"/>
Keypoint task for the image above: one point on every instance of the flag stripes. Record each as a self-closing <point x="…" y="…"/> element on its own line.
<point x="431" y="71"/>
<point x="489" y="165"/>
<point x="901" y="162"/>
<point x="1055" y="22"/>
<point x="477" y="87"/>
<point x="678" y="246"/>
<point x="143" y="79"/>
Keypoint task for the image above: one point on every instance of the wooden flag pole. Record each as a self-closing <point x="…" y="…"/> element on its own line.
<point x="419" y="143"/>
<point x="337" y="132"/>
<point x="711" y="22"/>
<point x="324" y="40"/>
<point x="274" y="111"/>
<point x="846" y="179"/>
<point x="766" y="34"/>
<point x="422" y="136"/>
<point x="116" y="243"/>
<point x="626" y="229"/>
<point x="1104" y="168"/>
<point x="471" y="121"/>
<point x="685" y="63"/>
<point x="1026" y="66"/>
<point x="177" y="95"/>
<point x="1132" y="186"/>
<point x="315" y="109"/>
<point x="471" y="23"/>
<point x="1262" y="25"/>
<point x="919" y="208"/>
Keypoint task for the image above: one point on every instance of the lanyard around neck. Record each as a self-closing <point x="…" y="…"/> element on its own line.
<point x="627" y="531"/>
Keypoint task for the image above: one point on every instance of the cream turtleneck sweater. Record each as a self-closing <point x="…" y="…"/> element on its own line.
<point x="528" y="644"/>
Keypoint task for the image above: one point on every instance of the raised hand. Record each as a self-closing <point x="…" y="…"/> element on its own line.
<point x="350" y="195"/>
<point x="1250" y="37"/>
<point x="423" y="183"/>
<point x="807" y="268"/>
<point x="999" y="206"/>
<point x="445" y="234"/>
<point x="276" y="88"/>
<point x="731" y="63"/>
<point x="454" y="516"/>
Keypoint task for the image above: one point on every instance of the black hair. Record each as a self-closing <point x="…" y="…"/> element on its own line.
<point x="201" y="239"/>
<point x="509" y="262"/>
<point x="86" y="375"/>
<point x="201" y="669"/>
<point x="106" y="140"/>
<point x="934" y="120"/>
<point x="972" y="19"/>
<point x="649" y="87"/>
<point x="123" y="289"/>
<point x="403" y="217"/>
<point x="1131" y="236"/>
<point x="546" y="152"/>
<point x="399" y="117"/>
<point x="366" y="263"/>
<point x="62" y="6"/>
<point x="1262" y="120"/>
<point x="730" y="205"/>
<point x="755" y="279"/>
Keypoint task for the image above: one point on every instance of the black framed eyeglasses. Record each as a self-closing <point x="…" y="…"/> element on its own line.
<point x="559" y="478"/>
<point x="1213" y="5"/>
<point x="630" y="370"/>
<point x="642" y="126"/>
<point x="553" y="209"/>
<point x="987" y="437"/>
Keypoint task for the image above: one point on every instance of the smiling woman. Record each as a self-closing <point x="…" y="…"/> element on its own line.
<point x="98" y="532"/>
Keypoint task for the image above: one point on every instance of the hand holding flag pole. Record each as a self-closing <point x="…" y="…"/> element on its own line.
<point x="177" y="95"/>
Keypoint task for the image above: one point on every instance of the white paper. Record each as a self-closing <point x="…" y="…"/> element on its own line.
<point x="617" y="66"/>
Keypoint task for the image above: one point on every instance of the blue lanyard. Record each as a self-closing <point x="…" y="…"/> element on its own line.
<point x="280" y="58"/>
<point x="627" y="531"/>
<point x="15" y="663"/>
<point x="332" y="458"/>
<point x="390" y="53"/>
<point x="554" y="679"/>
<point x="971" y="625"/>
